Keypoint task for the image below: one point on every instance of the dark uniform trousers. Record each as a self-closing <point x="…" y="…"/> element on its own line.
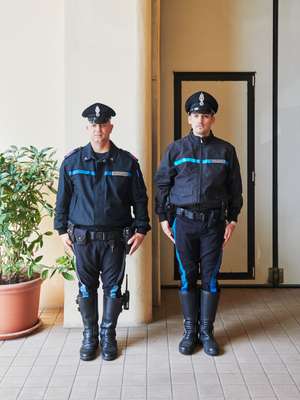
<point x="99" y="257"/>
<point x="199" y="241"/>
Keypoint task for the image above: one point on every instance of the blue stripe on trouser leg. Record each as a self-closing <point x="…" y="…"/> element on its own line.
<point x="213" y="287"/>
<point x="83" y="290"/>
<point x="113" y="291"/>
<point x="184" y="281"/>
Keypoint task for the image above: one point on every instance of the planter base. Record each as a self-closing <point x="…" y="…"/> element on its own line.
<point x="8" y="336"/>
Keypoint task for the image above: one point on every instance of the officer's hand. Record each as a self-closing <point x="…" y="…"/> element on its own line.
<point x="167" y="230"/>
<point x="136" y="241"/>
<point x="228" y="233"/>
<point x="67" y="243"/>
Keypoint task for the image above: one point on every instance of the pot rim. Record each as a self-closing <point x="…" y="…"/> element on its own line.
<point x="21" y="285"/>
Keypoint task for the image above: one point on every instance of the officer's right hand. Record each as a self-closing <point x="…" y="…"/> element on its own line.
<point x="67" y="243"/>
<point x="167" y="230"/>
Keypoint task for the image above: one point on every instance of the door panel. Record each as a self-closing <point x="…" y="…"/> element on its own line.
<point x="234" y="123"/>
<point x="230" y="125"/>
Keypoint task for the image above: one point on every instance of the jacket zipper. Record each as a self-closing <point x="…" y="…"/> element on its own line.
<point x="201" y="170"/>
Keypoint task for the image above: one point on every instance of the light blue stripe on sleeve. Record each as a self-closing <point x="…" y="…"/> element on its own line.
<point x="199" y="161"/>
<point x="82" y="172"/>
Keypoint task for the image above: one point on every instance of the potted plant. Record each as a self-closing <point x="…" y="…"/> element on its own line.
<point x="27" y="178"/>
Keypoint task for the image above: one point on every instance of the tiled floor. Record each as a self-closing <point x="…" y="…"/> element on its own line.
<point x="258" y="329"/>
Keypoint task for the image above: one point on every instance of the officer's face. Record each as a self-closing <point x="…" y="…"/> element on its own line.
<point x="201" y="123"/>
<point x="99" y="133"/>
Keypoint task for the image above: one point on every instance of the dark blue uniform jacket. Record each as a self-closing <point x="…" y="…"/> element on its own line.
<point x="98" y="194"/>
<point x="199" y="171"/>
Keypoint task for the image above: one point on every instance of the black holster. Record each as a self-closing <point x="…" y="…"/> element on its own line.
<point x="128" y="232"/>
<point x="70" y="231"/>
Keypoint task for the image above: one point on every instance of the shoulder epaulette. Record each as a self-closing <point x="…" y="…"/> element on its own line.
<point x="131" y="155"/>
<point x="72" y="152"/>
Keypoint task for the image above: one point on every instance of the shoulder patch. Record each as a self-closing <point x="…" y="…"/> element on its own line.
<point x="72" y="152"/>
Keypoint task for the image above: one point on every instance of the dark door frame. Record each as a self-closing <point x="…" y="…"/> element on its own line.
<point x="248" y="77"/>
<point x="275" y="282"/>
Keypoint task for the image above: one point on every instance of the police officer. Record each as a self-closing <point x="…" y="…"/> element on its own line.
<point x="98" y="185"/>
<point x="198" y="199"/>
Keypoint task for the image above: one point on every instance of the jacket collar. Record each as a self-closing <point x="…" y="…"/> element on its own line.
<point x="197" y="139"/>
<point x="88" y="152"/>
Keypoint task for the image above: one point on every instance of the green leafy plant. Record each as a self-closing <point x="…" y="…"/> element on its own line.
<point x="27" y="177"/>
<point x="65" y="265"/>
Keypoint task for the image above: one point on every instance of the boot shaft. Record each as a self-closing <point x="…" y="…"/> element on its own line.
<point x="208" y="306"/>
<point x="112" y="308"/>
<point x="189" y="304"/>
<point x="88" y="308"/>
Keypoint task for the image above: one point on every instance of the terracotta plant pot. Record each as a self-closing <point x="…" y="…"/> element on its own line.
<point x="19" y="306"/>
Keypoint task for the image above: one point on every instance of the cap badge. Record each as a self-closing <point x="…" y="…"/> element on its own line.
<point x="97" y="111"/>
<point x="201" y="99"/>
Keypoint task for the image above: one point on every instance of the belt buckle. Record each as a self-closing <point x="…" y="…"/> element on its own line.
<point x="98" y="235"/>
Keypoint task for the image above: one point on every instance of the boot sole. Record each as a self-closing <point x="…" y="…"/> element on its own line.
<point x="214" y="354"/>
<point x="109" y="358"/>
<point x="211" y="354"/>
<point x="88" y="358"/>
<point x="186" y="352"/>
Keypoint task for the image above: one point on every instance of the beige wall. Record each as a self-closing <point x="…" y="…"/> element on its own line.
<point x="231" y="35"/>
<point x="57" y="57"/>
<point x="32" y="93"/>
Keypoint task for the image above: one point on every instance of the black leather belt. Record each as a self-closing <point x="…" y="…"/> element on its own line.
<point x="112" y="235"/>
<point x="194" y="215"/>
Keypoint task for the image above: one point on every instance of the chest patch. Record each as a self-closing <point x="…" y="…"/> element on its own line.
<point x="117" y="173"/>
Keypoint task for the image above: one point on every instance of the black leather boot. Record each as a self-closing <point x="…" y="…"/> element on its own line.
<point x="88" y="307"/>
<point x="111" y="310"/>
<point x="208" y="306"/>
<point x="189" y="303"/>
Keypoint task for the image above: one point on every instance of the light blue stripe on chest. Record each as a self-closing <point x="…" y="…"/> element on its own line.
<point x="200" y="161"/>
<point x="117" y="173"/>
<point x="81" y="172"/>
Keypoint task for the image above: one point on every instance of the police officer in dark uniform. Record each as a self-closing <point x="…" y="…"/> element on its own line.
<point x="198" y="199"/>
<point x="98" y="185"/>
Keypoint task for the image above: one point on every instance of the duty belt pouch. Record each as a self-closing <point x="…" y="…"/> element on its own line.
<point x="70" y="231"/>
<point x="171" y="214"/>
<point x="223" y="215"/>
<point x="127" y="234"/>
<point x="80" y="236"/>
<point x="214" y="217"/>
